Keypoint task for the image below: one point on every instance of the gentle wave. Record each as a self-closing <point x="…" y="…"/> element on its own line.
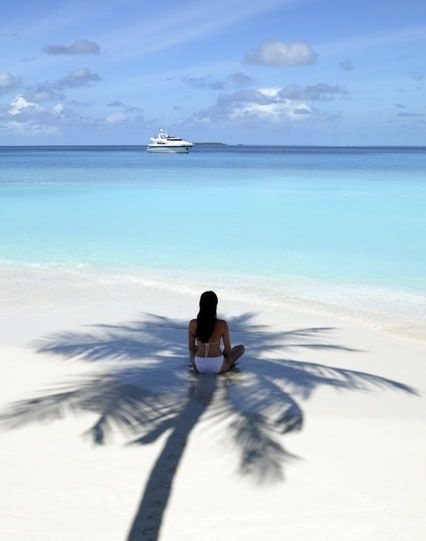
<point x="337" y="228"/>
<point x="398" y="312"/>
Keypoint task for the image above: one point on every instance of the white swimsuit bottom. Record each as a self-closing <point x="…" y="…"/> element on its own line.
<point x="209" y="365"/>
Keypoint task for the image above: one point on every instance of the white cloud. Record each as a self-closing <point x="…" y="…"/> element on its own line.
<point x="272" y="112"/>
<point x="43" y="92"/>
<point x="79" y="47"/>
<point x="412" y="115"/>
<point x="8" y="35"/>
<point x="58" y="109"/>
<point x="270" y="92"/>
<point x="47" y="91"/>
<point x="302" y="110"/>
<point x="240" y="80"/>
<point x="29" y="127"/>
<point x="320" y="91"/>
<point x="117" y="118"/>
<point x="346" y="65"/>
<point x="264" y="104"/>
<point x="79" y="77"/>
<point x="8" y="82"/>
<point x="20" y="104"/>
<point x="28" y="59"/>
<point x="116" y="103"/>
<point x="277" y="110"/>
<point x="278" y="53"/>
<point x="270" y="105"/>
<point x="237" y="80"/>
<point x="27" y="117"/>
<point x="127" y="108"/>
<point x="134" y="109"/>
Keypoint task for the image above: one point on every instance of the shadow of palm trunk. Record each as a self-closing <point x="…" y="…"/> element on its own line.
<point x="144" y="395"/>
<point x="150" y="514"/>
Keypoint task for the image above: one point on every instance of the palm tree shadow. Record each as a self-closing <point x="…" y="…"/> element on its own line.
<point x="149" y="390"/>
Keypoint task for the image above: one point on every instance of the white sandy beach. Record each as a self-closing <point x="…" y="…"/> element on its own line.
<point x="107" y="435"/>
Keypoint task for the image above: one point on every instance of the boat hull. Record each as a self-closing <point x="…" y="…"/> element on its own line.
<point x="168" y="149"/>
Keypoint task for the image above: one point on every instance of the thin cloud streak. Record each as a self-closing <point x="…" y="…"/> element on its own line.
<point x="57" y="22"/>
<point x="198" y="19"/>
<point x="78" y="47"/>
<point x="371" y="40"/>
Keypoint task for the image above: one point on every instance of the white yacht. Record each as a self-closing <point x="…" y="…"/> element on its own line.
<point x="167" y="143"/>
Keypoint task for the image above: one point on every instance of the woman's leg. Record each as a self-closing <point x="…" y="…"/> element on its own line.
<point x="232" y="358"/>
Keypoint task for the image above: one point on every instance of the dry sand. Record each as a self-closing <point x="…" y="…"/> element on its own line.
<point x="106" y="434"/>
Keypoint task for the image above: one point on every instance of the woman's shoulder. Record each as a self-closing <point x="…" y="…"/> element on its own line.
<point x="222" y="323"/>
<point x="192" y="324"/>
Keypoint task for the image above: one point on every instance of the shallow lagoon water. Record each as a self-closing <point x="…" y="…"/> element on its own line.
<point x="335" y="217"/>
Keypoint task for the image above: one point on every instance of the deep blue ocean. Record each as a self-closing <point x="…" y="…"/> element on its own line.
<point x="336" y="216"/>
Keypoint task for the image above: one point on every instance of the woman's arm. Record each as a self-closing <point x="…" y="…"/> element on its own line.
<point x="226" y="337"/>
<point x="191" y="338"/>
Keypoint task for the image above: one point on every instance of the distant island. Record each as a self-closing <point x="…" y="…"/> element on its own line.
<point x="200" y="143"/>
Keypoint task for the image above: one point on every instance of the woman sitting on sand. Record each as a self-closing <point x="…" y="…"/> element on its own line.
<point x="204" y="336"/>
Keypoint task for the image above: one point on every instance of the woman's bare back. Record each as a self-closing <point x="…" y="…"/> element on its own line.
<point x="220" y="334"/>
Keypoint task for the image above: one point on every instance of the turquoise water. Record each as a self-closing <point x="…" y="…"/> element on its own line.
<point x="351" y="215"/>
<point x="340" y="225"/>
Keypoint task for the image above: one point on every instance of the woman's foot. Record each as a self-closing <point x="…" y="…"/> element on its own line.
<point x="232" y="358"/>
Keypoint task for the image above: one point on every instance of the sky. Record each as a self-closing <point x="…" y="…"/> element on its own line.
<point x="283" y="72"/>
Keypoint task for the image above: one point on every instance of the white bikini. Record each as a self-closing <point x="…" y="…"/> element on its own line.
<point x="206" y="364"/>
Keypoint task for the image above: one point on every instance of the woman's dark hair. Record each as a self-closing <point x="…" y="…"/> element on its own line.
<point x="206" y="318"/>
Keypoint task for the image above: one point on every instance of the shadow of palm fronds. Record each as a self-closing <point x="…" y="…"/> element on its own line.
<point x="148" y="391"/>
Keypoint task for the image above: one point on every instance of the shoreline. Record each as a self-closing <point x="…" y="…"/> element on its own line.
<point x="101" y="419"/>
<point x="397" y="312"/>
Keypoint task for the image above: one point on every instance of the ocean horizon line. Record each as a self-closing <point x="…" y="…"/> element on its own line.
<point x="219" y="144"/>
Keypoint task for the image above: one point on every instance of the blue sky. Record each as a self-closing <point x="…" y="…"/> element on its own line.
<point x="256" y="71"/>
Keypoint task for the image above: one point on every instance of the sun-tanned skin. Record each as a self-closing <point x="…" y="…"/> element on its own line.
<point x="220" y="333"/>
